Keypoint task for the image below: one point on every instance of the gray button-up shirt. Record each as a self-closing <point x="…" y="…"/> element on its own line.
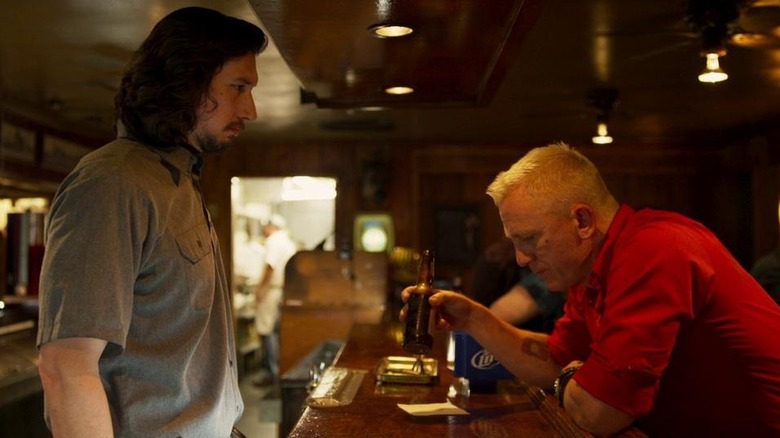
<point x="131" y="258"/>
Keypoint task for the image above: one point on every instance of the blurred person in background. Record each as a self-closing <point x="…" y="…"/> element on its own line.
<point x="766" y="271"/>
<point x="514" y="293"/>
<point x="279" y="248"/>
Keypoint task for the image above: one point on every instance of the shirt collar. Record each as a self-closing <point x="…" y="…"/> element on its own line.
<point x="182" y="159"/>
<point x="604" y="258"/>
<point x="178" y="161"/>
<point x="185" y="159"/>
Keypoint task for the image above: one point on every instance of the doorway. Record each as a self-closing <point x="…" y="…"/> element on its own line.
<point x="307" y="207"/>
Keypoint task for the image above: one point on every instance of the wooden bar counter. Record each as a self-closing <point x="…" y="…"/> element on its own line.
<point x="514" y="410"/>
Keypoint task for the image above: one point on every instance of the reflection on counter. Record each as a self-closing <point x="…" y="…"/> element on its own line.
<point x="326" y="293"/>
<point x="299" y="380"/>
<point x="404" y="369"/>
<point x="514" y="409"/>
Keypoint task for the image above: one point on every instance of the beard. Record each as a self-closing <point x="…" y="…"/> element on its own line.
<point x="206" y="141"/>
<point x="209" y="143"/>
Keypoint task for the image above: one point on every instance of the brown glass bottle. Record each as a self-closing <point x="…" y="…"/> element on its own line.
<point x="417" y="336"/>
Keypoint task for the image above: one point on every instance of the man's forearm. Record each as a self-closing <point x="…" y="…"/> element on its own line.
<point x="592" y="414"/>
<point x="74" y="398"/>
<point x="527" y="356"/>
<point x="522" y="352"/>
<point x="78" y="407"/>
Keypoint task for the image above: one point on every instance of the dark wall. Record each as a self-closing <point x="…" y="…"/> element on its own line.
<point x="436" y="193"/>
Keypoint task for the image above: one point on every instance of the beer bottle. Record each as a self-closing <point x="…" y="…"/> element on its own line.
<point x="417" y="337"/>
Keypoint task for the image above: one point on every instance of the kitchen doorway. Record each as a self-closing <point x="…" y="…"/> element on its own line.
<point x="305" y="205"/>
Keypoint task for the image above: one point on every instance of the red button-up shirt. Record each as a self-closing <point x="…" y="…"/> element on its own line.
<point x="674" y="332"/>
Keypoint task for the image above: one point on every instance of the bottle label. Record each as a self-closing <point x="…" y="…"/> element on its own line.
<point x="419" y="312"/>
<point x="417" y="339"/>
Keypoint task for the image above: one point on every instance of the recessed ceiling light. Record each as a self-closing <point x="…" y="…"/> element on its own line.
<point x="389" y="31"/>
<point x="399" y="90"/>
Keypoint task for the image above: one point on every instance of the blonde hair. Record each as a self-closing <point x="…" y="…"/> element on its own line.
<point x="556" y="172"/>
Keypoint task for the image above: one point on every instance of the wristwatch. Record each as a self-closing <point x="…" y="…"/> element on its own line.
<point x="563" y="379"/>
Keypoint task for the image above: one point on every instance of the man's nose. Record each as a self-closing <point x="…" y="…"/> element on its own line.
<point x="522" y="258"/>
<point x="248" y="109"/>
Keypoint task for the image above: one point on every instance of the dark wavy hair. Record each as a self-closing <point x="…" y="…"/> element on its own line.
<point x="169" y="75"/>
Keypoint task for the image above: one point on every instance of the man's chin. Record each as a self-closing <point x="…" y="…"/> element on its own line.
<point x="217" y="148"/>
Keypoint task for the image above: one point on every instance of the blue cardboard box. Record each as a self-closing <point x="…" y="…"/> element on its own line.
<point x="477" y="364"/>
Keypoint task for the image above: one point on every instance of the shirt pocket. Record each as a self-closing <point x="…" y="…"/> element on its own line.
<point x="195" y="243"/>
<point x="195" y="246"/>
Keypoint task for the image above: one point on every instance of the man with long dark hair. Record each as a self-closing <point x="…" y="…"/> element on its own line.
<point x="136" y="337"/>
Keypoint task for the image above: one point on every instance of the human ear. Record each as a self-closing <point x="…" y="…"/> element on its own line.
<point x="584" y="216"/>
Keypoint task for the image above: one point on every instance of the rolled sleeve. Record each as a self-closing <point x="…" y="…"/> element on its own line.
<point x="91" y="261"/>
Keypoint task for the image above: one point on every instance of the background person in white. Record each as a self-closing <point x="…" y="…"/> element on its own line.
<point x="279" y="247"/>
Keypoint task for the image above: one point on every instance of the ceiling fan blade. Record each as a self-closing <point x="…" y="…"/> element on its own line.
<point x="760" y="19"/>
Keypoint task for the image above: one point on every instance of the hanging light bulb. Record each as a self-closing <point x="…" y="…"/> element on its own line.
<point x="715" y="22"/>
<point x="602" y="135"/>
<point x="713" y="48"/>
<point x="603" y="100"/>
<point x="713" y="73"/>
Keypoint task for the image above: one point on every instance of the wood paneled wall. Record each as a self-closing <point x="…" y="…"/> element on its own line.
<point x="705" y="185"/>
<point x="731" y="187"/>
<point x="764" y="157"/>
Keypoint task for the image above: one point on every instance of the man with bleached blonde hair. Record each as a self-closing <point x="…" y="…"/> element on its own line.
<point x="662" y="328"/>
<point x="558" y="173"/>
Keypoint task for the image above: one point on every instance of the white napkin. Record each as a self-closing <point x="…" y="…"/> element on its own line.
<point x="446" y="408"/>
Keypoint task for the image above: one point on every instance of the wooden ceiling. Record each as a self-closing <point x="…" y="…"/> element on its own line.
<point x="457" y="53"/>
<point x="486" y="72"/>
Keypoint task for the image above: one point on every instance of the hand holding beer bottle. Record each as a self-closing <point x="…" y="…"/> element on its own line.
<point x="417" y="336"/>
